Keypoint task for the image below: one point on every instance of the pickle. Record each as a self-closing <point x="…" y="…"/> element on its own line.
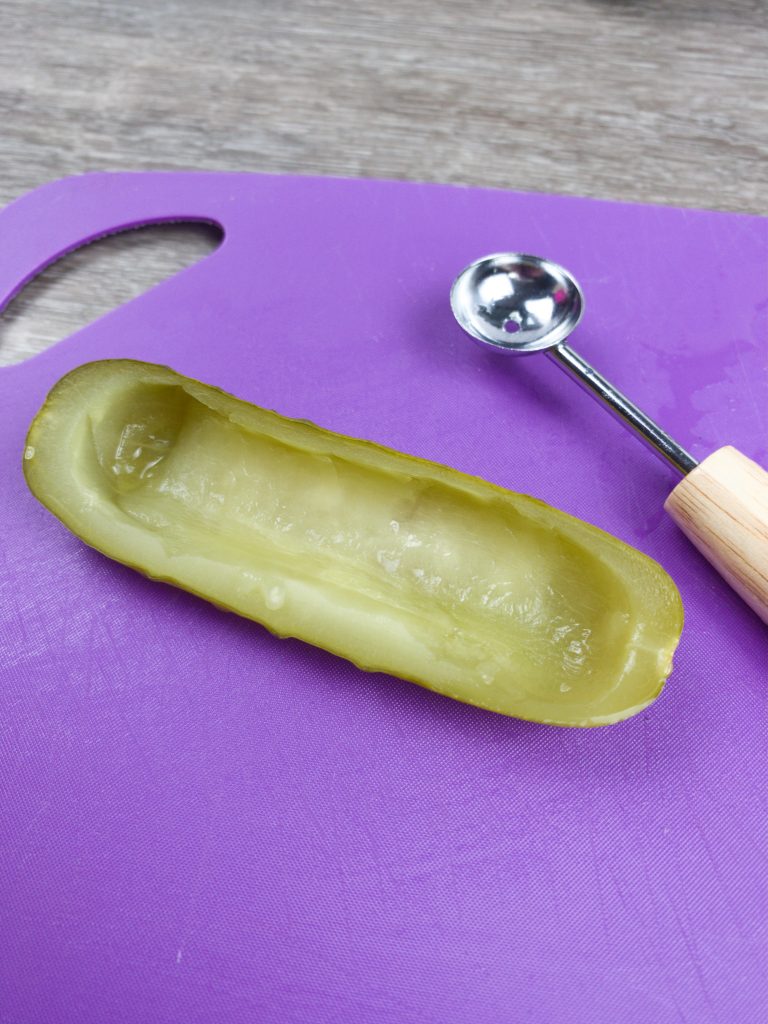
<point x="399" y="565"/>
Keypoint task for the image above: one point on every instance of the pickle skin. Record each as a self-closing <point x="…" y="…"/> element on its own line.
<point x="395" y="563"/>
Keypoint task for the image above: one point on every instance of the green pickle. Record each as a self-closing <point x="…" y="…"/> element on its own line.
<point x="398" y="564"/>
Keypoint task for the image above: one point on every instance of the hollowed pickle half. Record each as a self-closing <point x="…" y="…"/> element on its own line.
<point x="398" y="564"/>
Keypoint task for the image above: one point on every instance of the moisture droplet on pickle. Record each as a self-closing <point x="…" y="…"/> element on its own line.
<point x="275" y="597"/>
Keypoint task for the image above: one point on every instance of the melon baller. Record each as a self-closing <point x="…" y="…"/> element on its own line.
<point x="520" y="304"/>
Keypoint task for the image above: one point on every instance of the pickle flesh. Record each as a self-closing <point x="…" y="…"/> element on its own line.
<point x="400" y="565"/>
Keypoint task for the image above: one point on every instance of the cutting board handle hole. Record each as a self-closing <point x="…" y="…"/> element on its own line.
<point x="88" y="282"/>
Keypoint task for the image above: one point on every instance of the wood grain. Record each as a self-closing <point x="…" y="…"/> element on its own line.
<point x="647" y="101"/>
<point x="722" y="506"/>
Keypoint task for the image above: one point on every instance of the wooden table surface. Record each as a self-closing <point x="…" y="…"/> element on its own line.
<point x="664" y="101"/>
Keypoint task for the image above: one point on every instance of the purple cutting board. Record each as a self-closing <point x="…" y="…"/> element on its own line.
<point x="202" y="823"/>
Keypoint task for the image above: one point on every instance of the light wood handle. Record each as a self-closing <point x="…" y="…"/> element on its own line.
<point x="722" y="506"/>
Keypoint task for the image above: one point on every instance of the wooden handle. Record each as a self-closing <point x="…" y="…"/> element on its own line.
<point x="722" y="506"/>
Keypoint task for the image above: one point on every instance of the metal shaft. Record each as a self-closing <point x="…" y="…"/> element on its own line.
<point x="621" y="407"/>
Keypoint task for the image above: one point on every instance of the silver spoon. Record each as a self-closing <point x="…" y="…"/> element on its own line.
<point x="521" y="304"/>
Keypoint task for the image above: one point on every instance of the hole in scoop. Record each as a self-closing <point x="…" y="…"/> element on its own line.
<point x="511" y="326"/>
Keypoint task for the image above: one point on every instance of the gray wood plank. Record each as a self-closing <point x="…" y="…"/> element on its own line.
<point x="645" y="101"/>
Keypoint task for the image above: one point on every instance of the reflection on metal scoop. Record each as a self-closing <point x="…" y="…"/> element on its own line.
<point x="520" y="304"/>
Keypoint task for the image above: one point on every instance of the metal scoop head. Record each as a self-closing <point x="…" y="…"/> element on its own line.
<point x="516" y="302"/>
<point x="519" y="303"/>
